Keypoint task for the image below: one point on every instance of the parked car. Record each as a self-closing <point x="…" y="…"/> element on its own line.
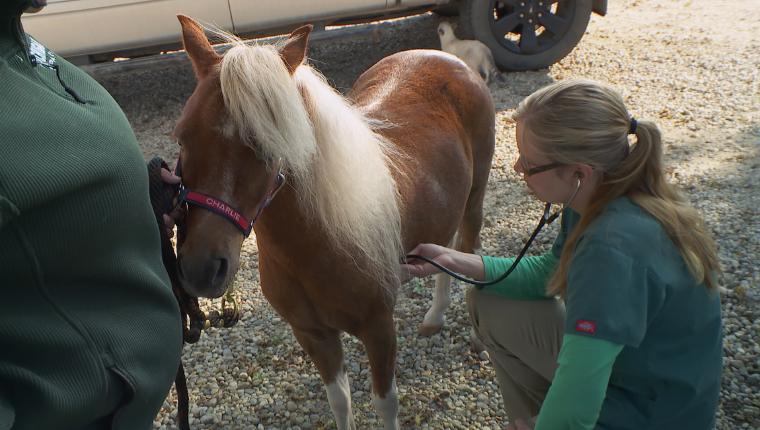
<point x="522" y="34"/>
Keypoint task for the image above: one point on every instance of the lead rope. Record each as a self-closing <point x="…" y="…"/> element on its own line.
<point x="194" y="321"/>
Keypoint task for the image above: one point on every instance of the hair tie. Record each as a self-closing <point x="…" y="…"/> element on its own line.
<point x="632" y="128"/>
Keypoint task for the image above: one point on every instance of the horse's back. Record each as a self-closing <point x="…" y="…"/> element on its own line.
<point x="411" y="79"/>
<point x="441" y="118"/>
<point x="432" y="95"/>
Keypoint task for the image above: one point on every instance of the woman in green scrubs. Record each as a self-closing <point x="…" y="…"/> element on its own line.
<point x="619" y="325"/>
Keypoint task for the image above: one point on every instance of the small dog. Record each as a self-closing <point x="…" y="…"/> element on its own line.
<point x="473" y="52"/>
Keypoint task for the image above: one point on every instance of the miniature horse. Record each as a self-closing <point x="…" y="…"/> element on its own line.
<point x="404" y="159"/>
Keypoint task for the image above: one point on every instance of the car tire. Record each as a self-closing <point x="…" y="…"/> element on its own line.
<point x="525" y="34"/>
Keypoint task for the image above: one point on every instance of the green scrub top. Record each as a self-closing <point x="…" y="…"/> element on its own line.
<point x="628" y="284"/>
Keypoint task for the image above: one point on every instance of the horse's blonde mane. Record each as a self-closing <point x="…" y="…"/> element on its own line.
<point x="339" y="165"/>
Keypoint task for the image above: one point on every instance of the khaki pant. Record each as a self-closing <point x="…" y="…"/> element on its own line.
<point x="523" y="338"/>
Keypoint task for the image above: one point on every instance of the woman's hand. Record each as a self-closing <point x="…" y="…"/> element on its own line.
<point x="176" y="214"/>
<point x="419" y="268"/>
<point x="469" y="265"/>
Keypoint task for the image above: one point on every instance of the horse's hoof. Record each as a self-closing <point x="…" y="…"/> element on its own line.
<point x="476" y="345"/>
<point x="429" y="330"/>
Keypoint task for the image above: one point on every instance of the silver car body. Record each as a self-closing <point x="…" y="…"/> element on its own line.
<point x="81" y="28"/>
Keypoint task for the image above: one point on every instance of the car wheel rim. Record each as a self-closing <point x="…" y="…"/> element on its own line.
<point x="529" y="27"/>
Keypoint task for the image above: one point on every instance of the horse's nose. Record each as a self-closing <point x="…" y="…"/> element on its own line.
<point x="218" y="269"/>
<point x="206" y="279"/>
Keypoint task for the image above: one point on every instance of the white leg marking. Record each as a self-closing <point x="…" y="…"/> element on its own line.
<point x="476" y="345"/>
<point x="434" y="318"/>
<point x="387" y="407"/>
<point x="339" y="397"/>
<point x="441" y="300"/>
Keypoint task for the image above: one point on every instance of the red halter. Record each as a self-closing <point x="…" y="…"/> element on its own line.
<point x="223" y="209"/>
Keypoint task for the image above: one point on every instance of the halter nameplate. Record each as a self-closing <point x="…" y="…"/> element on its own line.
<point x="223" y="209"/>
<point x="218" y="207"/>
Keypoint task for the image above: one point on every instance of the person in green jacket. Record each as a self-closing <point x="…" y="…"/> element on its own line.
<point x="90" y="331"/>
<point x="619" y="325"/>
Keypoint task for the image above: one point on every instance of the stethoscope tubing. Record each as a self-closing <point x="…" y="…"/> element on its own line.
<point x="546" y="218"/>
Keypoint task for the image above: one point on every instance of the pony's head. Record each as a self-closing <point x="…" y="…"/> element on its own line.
<point x="232" y="146"/>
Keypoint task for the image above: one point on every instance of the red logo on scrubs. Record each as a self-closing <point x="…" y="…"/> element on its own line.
<point x="585" y="326"/>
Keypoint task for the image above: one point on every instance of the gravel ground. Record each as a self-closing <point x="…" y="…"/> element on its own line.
<point x="692" y="67"/>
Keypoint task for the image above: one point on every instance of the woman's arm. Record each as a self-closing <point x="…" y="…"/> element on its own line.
<point x="580" y="384"/>
<point x="469" y="265"/>
<point x="526" y="282"/>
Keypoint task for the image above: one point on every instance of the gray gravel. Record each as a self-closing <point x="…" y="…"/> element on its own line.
<point x="692" y="67"/>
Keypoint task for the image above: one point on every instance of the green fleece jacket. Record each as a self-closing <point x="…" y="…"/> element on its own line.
<point x="89" y="328"/>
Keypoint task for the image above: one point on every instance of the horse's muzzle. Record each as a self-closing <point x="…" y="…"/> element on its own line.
<point x="208" y="277"/>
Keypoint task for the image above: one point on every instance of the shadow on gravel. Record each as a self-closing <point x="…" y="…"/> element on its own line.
<point x="733" y="190"/>
<point x="517" y="86"/>
<point x="152" y="83"/>
<point x="152" y="90"/>
<point x="733" y="182"/>
<point x="745" y="171"/>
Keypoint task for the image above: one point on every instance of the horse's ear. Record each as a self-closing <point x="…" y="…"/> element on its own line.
<point x="294" y="50"/>
<point x="198" y="48"/>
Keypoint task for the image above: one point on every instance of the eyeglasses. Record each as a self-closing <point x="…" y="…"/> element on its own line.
<point x="540" y="169"/>
<point x="530" y="171"/>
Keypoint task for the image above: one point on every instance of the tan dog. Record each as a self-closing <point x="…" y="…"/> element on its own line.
<point x="473" y="52"/>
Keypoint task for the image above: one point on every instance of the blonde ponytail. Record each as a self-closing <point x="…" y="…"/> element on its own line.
<point x="584" y="122"/>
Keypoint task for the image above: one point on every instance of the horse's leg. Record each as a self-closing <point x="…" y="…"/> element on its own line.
<point x="325" y="349"/>
<point x="379" y="339"/>
<point x="469" y="236"/>
<point x="320" y="342"/>
<point x="434" y="318"/>
<point x="467" y="239"/>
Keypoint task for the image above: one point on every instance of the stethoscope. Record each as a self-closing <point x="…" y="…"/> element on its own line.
<point x="547" y="218"/>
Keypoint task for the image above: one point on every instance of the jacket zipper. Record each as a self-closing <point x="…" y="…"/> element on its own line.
<point x="20" y="35"/>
